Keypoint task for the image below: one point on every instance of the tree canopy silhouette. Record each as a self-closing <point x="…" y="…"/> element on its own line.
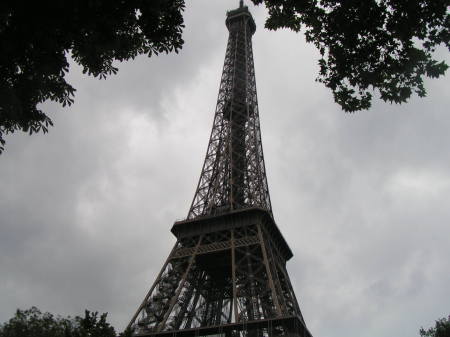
<point x="36" y="38"/>
<point x="383" y="45"/>
<point x="440" y="329"/>
<point x="365" y="46"/>
<point x="33" y="322"/>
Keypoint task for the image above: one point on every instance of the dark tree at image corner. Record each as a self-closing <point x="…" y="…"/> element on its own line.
<point x="366" y="47"/>
<point x="383" y="46"/>
<point x="440" y="329"/>
<point x="33" y="322"/>
<point x="36" y="38"/>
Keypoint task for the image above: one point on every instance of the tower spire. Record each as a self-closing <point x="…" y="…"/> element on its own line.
<point x="233" y="175"/>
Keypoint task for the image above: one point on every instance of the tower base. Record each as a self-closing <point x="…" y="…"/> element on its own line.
<point x="226" y="276"/>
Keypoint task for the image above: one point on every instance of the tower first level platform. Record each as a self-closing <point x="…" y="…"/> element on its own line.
<point x="225" y="275"/>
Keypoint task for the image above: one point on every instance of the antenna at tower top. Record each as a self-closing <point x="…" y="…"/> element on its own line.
<point x="241" y="3"/>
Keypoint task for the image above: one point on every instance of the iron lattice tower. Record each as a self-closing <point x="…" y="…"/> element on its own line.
<point x="226" y="274"/>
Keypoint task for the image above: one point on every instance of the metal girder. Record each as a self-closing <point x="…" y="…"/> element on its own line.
<point x="233" y="175"/>
<point x="220" y="278"/>
<point x="226" y="275"/>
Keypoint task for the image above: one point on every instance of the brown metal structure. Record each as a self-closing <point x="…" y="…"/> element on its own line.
<point x="226" y="275"/>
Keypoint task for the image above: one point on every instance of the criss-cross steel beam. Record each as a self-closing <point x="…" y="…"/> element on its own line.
<point x="226" y="275"/>
<point x="233" y="175"/>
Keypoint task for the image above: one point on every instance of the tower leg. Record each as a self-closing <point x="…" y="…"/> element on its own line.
<point x="158" y="279"/>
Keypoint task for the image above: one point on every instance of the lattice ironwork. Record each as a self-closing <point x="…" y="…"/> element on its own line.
<point x="226" y="275"/>
<point x="231" y="280"/>
<point x="233" y="175"/>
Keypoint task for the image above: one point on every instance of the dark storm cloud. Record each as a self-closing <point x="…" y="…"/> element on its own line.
<point x="85" y="211"/>
<point x="360" y="197"/>
<point x="370" y="197"/>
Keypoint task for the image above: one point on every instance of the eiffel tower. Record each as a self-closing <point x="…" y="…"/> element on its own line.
<point x="226" y="275"/>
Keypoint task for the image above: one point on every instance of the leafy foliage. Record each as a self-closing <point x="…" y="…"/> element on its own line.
<point x="441" y="329"/>
<point x="37" y="36"/>
<point x="383" y="45"/>
<point x="33" y="322"/>
<point x="372" y="44"/>
<point x="93" y="326"/>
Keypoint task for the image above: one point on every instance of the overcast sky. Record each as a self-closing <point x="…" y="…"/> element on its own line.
<point x="363" y="199"/>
